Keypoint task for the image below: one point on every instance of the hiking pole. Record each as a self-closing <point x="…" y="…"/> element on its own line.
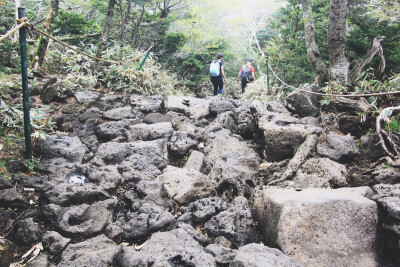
<point x="267" y="76"/>
<point x="25" y="92"/>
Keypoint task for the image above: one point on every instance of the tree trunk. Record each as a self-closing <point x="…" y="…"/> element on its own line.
<point x="43" y="41"/>
<point x="124" y="21"/>
<point x="313" y="54"/>
<point x="106" y="29"/>
<point x="16" y="34"/>
<point x="358" y="65"/>
<point x="339" y="61"/>
<point x="136" y="28"/>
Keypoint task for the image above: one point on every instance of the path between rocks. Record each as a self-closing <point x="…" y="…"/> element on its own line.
<point x="181" y="181"/>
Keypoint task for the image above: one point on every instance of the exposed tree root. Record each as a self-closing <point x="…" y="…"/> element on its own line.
<point x="384" y="137"/>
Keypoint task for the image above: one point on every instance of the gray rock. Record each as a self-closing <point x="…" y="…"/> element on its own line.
<point x="203" y="209"/>
<point x="319" y="226"/>
<point x="87" y="96"/>
<point x="387" y="190"/>
<point x="338" y="147"/>
<point x="11" y="198"/>
<point x="114" y="153"/>
<point x="98" y="251"/>
<point x="227" y="120"/>
<point x="350" y="125"/>
<point x="193" y="107"/>
<point x="110" y="130"/>
<point x="4" y="183"/>
<point x="55" y="242"/>
<point x="91" y="114"/>
<point x="149" y="104"/>
<point x="154" y="192"/>
<point x="198" y="236"/>
<point x="110" y="102"/>
<point x="218" y="106"/>
<point x="28" y="232"/>
<point x="236" y="224"/>
<point x="147" y="219"/>
<point x="86" y="220"/>
<point x="156" y="118"/>
<point x="321" y="172"/>
<point x="232" y="165"/>
<point x="91" y="141"/>
<point x="70" y="148"/>
<point x="128" y="256"/>
<point x="138" y="167"/>
<point x="7" y="252"/>
<point x="223" y="256"/>
<point x="42" y="260"/>
<point x="56" y="92"/>
<point x="183" y="124"/>
<point x="195" y="161"/>
<point x="258" y="255"/>
<point x="182" y="142"/>
<point x="387" y="175"/>
<point x="99" y="181"/>
<point x="121" y="113"/>
<point x="279" y="132"/>
<point x="370" y="150"/>
<point x="177" y="248"/>
<point x="147" y="132"/>
<point x="302" y="104"/>
<point x="186" y="185"/>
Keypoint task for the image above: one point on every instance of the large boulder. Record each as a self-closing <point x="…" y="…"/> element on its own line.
<point x="181" y="142"/>
<point x="176" y="248"/>
<point x="186" y="185"/>
<point x="28" y="232"/>
<point x="70" y="148"/>
<point x="12" y="199"/>
<point x="149" y="104"/>
<point x="321" y="172"/>
<point x="98" y="251"/>
<point x="110" y="130"/>
<point x="138" y="167"/>
<point x="258" y="255"/>
<point x="114" y="153"/>
<point x="319" y="227"/>
<point x="232" y="165"/>
<point x="193" y="107"/>
<point x="278" y="132"/>
<point x="203" y="209"/>
<point x="86" y="97"/>
<point x="370" y="150"/>
<point x="340" y="148"/>
<point x="122" y="113"/>
<point x="110" y="102"/>
<point x="236" y="224"/>
<point x="302" y="104"/>
<point x="220" y="105"/>
<point x="148" y="132"/>
<point x="146" y="219"/>
<point x="85" y="220"/>
<point x="156" y="118"/>
<point x="83" y="185"/>
<point x="56" y="92"/>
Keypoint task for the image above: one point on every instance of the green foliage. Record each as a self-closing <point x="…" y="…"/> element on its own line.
<point x="394" y="125"/>
<point x="12" y="118"/>
<point x="73" y="24"/>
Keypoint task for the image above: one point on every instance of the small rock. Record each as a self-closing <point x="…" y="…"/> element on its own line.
<point x="156" y="118"/>
<point x="55" y="242"/>
<point x="28" y="232"/>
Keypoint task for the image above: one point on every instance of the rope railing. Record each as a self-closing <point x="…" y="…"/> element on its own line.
<point x="24" y="22"/>
<point x="331" y="95"/>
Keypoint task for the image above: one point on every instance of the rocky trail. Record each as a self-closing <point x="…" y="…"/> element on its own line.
<point x="182" y="181"/>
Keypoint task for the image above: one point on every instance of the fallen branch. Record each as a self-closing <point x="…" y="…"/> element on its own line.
<point x="295" y="163"/>
<point x="385" y="117"/>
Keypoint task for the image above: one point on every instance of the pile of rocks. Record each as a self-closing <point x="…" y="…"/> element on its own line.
<point x="181" y="181"/>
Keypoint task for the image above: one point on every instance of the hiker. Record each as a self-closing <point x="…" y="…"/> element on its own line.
<point x="247" y="74"/>
<point x="217" y="74"/>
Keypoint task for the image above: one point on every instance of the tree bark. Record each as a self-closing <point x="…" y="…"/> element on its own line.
<point x="339" y="61"/>
<point x="106" y="29"/>
<point x="313" y="54"/>
<point x="357" y="65"/>
<point x="43" y="41"/>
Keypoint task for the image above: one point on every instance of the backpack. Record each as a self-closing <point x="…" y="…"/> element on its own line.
<point x="214" y="68"/>
<point x="246" y="72"/>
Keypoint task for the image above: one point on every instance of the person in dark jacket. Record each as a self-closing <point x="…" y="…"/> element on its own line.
<point x="218" y="81"/>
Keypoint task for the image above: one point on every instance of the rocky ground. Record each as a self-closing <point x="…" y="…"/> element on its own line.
<point x="181" y="181"/>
